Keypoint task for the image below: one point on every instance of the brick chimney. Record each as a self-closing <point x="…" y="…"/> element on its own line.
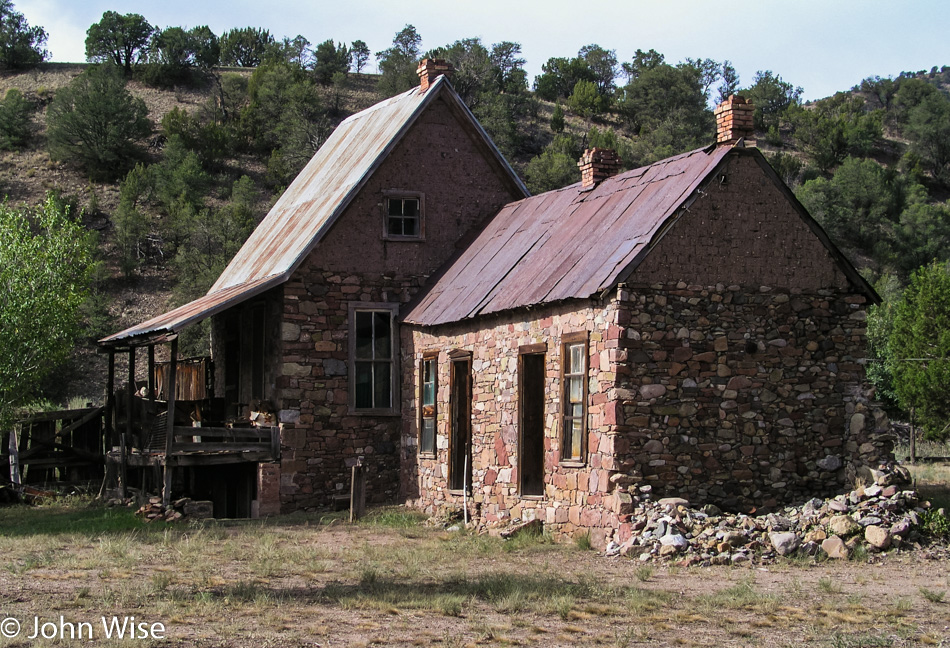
<point x="598" y="164"/>
<point x="431" y="69"/>
<point x="734" y="121"/>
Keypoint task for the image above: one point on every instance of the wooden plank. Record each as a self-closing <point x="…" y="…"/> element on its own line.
<point x="14" y="456"/>
<point x="205" y="446"/>
<point x="219" y="459"/>
<point x="93" y="413"/>
<point x="170" y="424"/>
<point x="262" y="434"/>
<point x="110" y="400"/>
<point x="357" y="493"/>
<point x="275" y="442"/>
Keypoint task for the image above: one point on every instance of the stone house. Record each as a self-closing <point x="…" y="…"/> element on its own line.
<point x="304" y="318"/>
<point x="685" y="326"/>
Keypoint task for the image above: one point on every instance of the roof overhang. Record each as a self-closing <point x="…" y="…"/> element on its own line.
<point x="167" y="326"/>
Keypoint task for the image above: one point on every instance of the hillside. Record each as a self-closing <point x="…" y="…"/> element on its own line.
<point x="238" y="122"/>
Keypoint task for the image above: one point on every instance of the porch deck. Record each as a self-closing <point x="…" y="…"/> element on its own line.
<point x="201" y="446"/>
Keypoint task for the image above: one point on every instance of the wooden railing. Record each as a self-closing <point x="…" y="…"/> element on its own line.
<point x="198" y="440"/>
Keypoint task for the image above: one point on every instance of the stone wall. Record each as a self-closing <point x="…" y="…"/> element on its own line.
<point x="321" y="437"/>
<point x="721" y="395"/>
<point x="743" y="398"/>
<point x="576" y="496"/>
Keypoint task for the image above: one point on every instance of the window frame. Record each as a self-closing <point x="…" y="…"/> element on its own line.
<point x="569" y="340"/>
<point x="398" y="194"/>
<point x="374" y="307"/>
<point x="432" y="357"/>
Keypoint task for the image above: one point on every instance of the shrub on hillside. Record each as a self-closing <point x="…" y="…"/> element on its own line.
<point x="95" y="123"/>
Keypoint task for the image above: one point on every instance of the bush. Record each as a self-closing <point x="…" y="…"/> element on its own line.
<point x="95" y="122"/>
<point x="15" y="120"/>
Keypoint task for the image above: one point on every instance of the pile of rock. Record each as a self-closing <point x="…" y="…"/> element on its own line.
<point x="180" y="509"/>
<point x="876" y="517"/>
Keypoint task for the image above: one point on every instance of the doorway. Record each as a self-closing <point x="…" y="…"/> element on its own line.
<point x="460" y="441"/>
<point x="531" y="414"/>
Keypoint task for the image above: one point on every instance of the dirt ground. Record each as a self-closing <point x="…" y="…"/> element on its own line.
<point x="301" y="581"/>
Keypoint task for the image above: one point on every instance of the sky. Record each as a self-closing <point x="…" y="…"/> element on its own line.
<point x="823" y="46"/>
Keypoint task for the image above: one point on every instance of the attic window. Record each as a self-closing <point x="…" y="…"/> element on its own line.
<point x="403" y="216"/>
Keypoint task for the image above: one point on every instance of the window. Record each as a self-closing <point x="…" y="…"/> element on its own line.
<point x="404" y="216"/>
<point x="574" y="397"/>
<point x="372" y="357"/>
<point x="427" y="410"/>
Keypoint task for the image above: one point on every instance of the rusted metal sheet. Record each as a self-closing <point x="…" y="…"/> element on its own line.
<point x="192" y="379"/>
<point x="177" y="319"/>
<point x="564" y="244"/>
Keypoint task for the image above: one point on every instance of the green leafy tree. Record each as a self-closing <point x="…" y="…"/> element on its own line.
<point x="123" y="40"/>
<point x="603" y="65"/>
<point x="667" y="109"/>
<point x="397" y="64"/>
<point x="360" y="51"/>
<point x="559" y="77"/>
<point x="772" y="97"/>
<point x="585" y="101"/>
<point x="550" y="170"/>
<point x="45" y="265"/>
<point x="474" y="72"/>
<point x="557" y="119"/>
<point x="861" y="208"/>
<point x="285" y="117"/>
<point x="642" y="62"/>
<point x="928" y="128"/>
<point x="509" y="64"/>
<point x="296" y="51"/>
<point x="837" y="127"/>
<point x="919" y="345"/>
<point x="95" y="122"/>
<point x="131" y="222"/>
<point x="245" y="47"/>
<point x="730" y="81"/>
<point x="330" y="59"/>
<point x="709" y="72"/>
<point x="16" y="120"/>
<point x="20" y="44"/>
<point x="212" y="238"/>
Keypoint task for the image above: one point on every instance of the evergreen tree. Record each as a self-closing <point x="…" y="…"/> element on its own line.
<point x="557" y="119"/>
<point x="360" y="52"/>
<point x="397" y="65"/>
<point x="20" y="44"/>
<point x="330" y="59"/>
<point x="122" y="40"/>
<point x="95" y="122"/>
<point x="245" y="47"/>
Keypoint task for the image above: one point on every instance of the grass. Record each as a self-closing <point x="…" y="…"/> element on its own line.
<point x="69" y="517"/>
<point x="389" y="580"/>
<point x="934" y="596"/>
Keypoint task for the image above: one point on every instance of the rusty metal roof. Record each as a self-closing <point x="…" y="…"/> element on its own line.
<point x="312" y="203"/>
<point x="563" y="244"/>
<point x="175" y="320"/>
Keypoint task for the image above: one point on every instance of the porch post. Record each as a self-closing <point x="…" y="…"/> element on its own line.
<point x="151" y="373"/>
<point x="110" y="403"/>
<point x="170" y="422"/>
<point x="126" y="437"/>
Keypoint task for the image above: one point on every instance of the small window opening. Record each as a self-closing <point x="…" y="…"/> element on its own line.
<point x="403" y="217"/>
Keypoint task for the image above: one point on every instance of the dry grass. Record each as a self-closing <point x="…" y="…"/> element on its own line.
<point x="390" y="581"/>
